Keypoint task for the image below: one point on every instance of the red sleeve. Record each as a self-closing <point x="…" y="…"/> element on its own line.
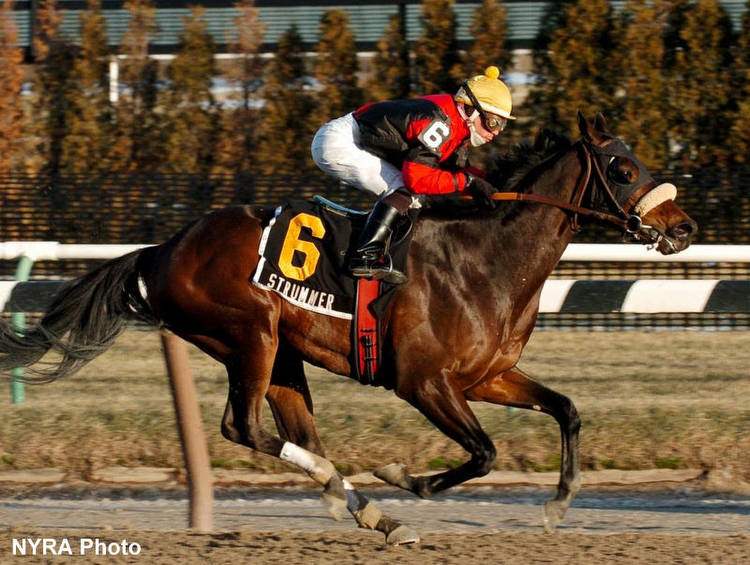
<point x="424" y="179"/>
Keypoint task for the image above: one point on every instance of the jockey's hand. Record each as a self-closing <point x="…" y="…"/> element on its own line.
<point x="482" y="192"/>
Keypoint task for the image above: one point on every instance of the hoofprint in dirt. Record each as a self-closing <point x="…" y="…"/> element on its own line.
<point x="679" y="509"/>
<point x="361" y="547"/>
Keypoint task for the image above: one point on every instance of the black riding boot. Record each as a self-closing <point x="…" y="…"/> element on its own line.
<point x="371" y="259"/>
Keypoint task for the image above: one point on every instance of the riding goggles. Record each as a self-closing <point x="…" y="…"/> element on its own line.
<point x="494" y="123"/>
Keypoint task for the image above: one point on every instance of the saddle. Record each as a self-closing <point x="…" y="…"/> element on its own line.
<point x="304" y="252"/>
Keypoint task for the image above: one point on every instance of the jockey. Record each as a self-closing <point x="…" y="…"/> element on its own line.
<point x="399" y="148"/>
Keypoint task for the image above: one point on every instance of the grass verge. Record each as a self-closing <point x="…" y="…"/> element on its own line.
<point x="665" y="399"/>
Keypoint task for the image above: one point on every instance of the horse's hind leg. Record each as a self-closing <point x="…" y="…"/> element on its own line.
<point x="291" y="404"/>
<point x="290" y="401"/>
<point x="515" y="388"/>
<point x="249" y="382"/>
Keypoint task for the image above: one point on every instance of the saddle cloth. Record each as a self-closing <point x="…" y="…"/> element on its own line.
<point x="304" y="251"/>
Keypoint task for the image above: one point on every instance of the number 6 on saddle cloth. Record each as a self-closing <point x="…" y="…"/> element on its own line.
<point x="304" y="252"/>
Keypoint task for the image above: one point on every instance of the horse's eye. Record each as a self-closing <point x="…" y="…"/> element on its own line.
<point x="623" y="171"/>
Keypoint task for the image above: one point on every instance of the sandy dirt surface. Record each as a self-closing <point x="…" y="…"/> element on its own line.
<point x="365" y="547"/>
<point x="477" y="525"/>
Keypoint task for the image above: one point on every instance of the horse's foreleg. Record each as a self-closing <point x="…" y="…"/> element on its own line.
<point x="448" y="410"/>
<point x="515" y="388"/>
<point x="242" y="424"/>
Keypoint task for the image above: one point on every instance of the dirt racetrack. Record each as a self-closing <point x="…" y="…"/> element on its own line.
<point x="368" y="548"/>
<point x="646" y="525"/>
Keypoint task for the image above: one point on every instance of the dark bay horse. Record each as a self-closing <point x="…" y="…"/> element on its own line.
<point x="453" y="333"/>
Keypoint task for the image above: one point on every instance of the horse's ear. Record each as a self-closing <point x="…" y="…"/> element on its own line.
<point x="584" y="126"/>
<point x="595" y="132"/>
<point x="600" y="123"/>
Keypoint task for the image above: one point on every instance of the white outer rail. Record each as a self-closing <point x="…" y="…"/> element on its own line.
<point x="54" y="251"/>
<point x="637" y="253"/>
<point x="618" y="252"/>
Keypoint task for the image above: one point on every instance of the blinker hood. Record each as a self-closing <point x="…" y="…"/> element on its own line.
<point x="621" y="192"/>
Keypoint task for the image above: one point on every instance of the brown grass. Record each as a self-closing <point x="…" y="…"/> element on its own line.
<point x="673" y="399"/>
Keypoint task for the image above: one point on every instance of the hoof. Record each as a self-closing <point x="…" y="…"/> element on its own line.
<point x="334" y="505"/>
<point x="394" y="474"/>
<point x="401" y="536"/>
<point x="552" y="515"/>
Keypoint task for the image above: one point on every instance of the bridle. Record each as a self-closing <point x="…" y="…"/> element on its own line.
<point x="625" y="219"/>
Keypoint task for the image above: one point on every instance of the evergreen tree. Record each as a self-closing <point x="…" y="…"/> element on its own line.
<point x="488" y="28"/>
<point x="287" y="130"/>
<point x="54" y="57"/>
<point x="701" y="93"/>
<point x="193" y="129"/>
<point x="336" y="68"/>
<point x="743" y="42"/>
<point x="86" y="147"/>
<point x="538" y="101"/>
<point x="11" y="81"/>
<point x="390" y="79"/>
<point x="438" y="65"/>
<point x="673" y="42"/>
<point x="580" y="66"/>
<point x="643" y="96"/>
<point x="241" y="118"/>
<point x="247" y="71"/>
<point x="739" y="140"/>
<point x="140" y="142"/>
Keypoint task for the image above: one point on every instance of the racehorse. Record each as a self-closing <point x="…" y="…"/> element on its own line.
<point x="452" y="334"/>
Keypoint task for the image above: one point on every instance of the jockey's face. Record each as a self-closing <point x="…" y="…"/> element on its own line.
<point x="491" y="127"/>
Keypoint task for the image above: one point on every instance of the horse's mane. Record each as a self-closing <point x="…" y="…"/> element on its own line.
<point x="510" y="172"/>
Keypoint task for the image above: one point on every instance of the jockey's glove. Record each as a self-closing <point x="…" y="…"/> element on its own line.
<point x="482" y="191"/>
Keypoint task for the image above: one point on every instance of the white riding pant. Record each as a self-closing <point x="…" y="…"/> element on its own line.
<point x="337" y="151"/>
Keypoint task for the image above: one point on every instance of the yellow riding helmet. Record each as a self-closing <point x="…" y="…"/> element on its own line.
<point x="491" y="93"/>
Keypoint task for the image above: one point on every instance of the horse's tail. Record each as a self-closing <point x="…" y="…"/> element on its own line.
<point x="84" y="319"/>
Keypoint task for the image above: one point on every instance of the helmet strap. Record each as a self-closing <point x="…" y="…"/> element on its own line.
<point x="474" y="101"/>
<point x="476" y="140"/>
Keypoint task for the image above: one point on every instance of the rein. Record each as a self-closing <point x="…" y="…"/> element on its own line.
<point x="629" y="223"/>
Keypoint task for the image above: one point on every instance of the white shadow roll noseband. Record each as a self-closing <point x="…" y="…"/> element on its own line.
<point x="654" y="197"/>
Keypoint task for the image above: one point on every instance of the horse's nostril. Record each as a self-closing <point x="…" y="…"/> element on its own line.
<point x="684" y="230"/>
